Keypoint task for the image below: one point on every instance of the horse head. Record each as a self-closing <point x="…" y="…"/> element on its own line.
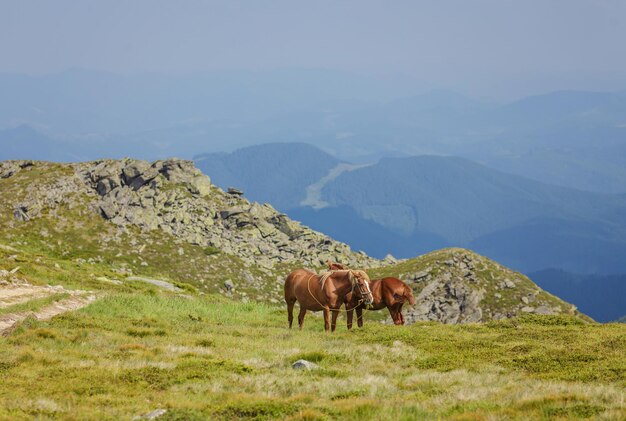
<point x="335" y="266"/>
<point x="360" y="279"/>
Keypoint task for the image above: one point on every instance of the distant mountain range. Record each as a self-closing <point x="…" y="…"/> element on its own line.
<point x="407" y="206"/>
<point x="277" y="173"/>
<point x="602" y="297"/>
<point x="569" y="138"/>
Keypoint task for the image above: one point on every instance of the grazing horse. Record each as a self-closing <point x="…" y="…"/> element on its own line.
<point x="325" y="292"/>
<point x="387" y="292"/>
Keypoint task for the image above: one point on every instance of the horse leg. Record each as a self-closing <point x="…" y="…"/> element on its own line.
<point x="290" y="312"/>
<point x="359" y="316"/>
<point x="349" y="317"/>
<point x="396" y="315"/>
<point x="326" y="319"/>
<point x="401" y="315"/>
<point x="333" y="324"/>
<point x="301" y="317"/>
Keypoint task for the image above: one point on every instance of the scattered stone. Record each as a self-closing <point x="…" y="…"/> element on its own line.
<point x="107" y="280"/>
<point x="507" y="283"/>
<point x="304" y="365"/>
<point x="421" y="275"/>
<point x="545" y="310"/>
<point x="234" y="191"/>
<point x="156" y="282"/>
<point x="151" y="415"/>
<point x="229" y="285"/>
<point x="20" y="214"/>
<point x="248" y="277"/>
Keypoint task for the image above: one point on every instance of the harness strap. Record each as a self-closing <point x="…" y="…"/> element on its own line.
<point x="308" y="284"/>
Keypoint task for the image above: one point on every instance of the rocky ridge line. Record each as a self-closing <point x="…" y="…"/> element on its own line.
<point x="460" y="288"/>
<point x="175" y="197"/>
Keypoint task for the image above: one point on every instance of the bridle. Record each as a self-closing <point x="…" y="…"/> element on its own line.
<point x="364" y="289"/>
<point x="354" y="280"/>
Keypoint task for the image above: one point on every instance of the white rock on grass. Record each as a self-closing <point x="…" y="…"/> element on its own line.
<point x="151" y="415"/>
<point x="304" y="365"/>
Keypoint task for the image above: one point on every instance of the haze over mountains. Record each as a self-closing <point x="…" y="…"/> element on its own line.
<point x="426" y="202"/>
<point x="409" y="206"/>
<point x="569" y="138"/>
<point x="385" y="165"/>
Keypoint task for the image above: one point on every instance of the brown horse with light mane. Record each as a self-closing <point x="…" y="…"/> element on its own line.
<point x="325" y="292"/>
<point x="387" y="292"/>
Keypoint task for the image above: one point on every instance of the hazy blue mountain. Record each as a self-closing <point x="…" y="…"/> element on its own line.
<point x="573" y="139"/>
<point x="23" y="142"/>
<point x="524" y="223"/>
<point x="601" y="297"/>
<point x="348" y="226"/>
<point x="87" y="101"/>
<point x="570" y="138"/>
<point x="408" y="206"/>
<point x="276" y="173"/>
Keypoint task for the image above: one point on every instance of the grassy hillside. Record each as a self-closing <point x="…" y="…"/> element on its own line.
<point x="206" y="358"/>
<point x="160" y="330"/>
<point x="139" y="348"/>
<point x="201" y="249"/>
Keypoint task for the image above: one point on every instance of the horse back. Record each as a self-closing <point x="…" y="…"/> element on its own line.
<point x="397" y="290"/>
<point x="295" y="280"/>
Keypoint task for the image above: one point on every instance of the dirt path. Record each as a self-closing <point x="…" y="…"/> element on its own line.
<point x="12" y="293"/>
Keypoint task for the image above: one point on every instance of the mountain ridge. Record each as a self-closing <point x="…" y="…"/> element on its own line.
<point x="133" y="221"/>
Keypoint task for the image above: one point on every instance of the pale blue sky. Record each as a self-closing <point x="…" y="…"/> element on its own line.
<point x="481" y="47"/>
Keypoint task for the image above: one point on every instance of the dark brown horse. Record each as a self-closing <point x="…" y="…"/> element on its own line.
<point x="387" y="292"/>
<point x="325" y="292"/>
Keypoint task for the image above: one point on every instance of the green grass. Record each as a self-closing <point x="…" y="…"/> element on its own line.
<point x="203" y="356"/>
<point x="209" y="357"/>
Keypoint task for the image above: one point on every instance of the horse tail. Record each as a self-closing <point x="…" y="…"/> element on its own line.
<point x="289" y="284"/>
<point x="408" y="293"/>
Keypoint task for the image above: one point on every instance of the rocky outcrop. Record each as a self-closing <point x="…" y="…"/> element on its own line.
<point x="447" y="300"/>
<point x="458" y="286"/>
<point x="9" y="168"/>
<point x="175" y="197"/>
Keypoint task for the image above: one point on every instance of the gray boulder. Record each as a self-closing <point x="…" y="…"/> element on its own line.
<point x="133" y="170"/>
<point x="447" y="300"/>
<point x="304" y="365"/>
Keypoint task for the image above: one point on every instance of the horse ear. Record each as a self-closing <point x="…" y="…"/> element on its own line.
<point x="351" y="276"/>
